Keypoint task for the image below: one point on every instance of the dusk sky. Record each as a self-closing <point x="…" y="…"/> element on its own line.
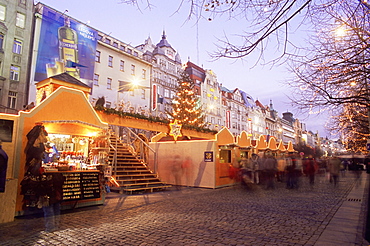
<point x="193" y="42"/>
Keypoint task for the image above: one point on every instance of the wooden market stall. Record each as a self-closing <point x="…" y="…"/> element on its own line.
<point x="71" y="124"/>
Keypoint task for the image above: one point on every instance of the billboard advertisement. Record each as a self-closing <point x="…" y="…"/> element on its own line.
<point x="65" y="45"/>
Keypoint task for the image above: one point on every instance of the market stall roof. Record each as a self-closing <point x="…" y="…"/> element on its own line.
<point x="281" y="146"/>
<point x="243" y="140"/>
<point x="290" y="147"/>
<point x="66" y="110"/>
<point x="272" y="144"/>
<point x="49" y="85"/>
<point x="224" y="137"/>
<point x="261" y="143"/>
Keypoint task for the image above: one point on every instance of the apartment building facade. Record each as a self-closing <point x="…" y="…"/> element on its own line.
<point x="16" y="25"/>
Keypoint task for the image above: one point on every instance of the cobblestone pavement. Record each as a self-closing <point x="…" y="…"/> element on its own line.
<point x="194" y="216"/>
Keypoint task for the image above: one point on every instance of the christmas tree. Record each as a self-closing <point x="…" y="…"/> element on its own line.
<point x="186" y="108"/>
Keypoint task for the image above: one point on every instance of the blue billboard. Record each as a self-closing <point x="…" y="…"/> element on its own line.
<point x="65" y="45"/>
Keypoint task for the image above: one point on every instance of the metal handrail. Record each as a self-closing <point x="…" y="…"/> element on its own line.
<point x="114" y="158"/>
<point x="142" y="148"/>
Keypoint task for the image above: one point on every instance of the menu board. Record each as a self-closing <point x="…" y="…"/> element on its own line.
<point x="81" y="185"/>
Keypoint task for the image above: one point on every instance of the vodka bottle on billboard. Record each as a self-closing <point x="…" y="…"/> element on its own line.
<point x="68" y="44"/>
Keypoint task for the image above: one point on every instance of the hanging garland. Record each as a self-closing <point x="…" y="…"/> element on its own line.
<point x="122" y="114"/>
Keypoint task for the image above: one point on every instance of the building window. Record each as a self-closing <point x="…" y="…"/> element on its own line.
<point x="2" y="12"/>
<point x="115" y="44"/>
<point x="142" y="93"/>
<point x="129" y="51"/>
<point x="108" y="104"/>
<point x="96" y="79"/>
<point x="109" y="83"/>
<point x="136" y="54"/>
<point x="122" y="66"/>
<point x="17" y="46"/>
<point x="12" y="99"/>
<point x="122" y="48"/>
<point x="166" y="93"/>
<point x="107" y="41"/>
<point x="143" y="75"/>
<point x="132" y="69"/>
<point x="14" y="72"/>
<point x="21" y="18"/>
<point x="1" y="41"/>
<point x="110" y="61"/>
<point x="100" y="37"/>
<point x="97" y="56"/>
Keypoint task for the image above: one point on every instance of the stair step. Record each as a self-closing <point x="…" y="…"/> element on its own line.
<point x="147" y="188"/>
<point x="144" y="184"/>
<point x="131" y="173"/>
<point x="132" y="176"/>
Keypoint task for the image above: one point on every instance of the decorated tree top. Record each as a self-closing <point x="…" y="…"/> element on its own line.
<point x="186" y="108"/>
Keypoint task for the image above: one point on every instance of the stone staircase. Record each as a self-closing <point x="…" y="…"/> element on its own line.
<point x="133" y="175"/>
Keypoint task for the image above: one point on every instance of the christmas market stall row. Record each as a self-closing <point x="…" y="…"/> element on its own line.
<point x="207" y="162"/>
<point x="61" y="135"/>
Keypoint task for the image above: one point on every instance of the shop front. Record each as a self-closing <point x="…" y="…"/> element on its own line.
<point x="62" y="135"/>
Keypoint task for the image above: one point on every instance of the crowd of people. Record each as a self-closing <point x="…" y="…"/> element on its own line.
<point x="265" y="169"/>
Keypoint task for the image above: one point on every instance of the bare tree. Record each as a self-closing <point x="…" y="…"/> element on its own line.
<point x="333" y="74"/>
<point x="265" y="22"/>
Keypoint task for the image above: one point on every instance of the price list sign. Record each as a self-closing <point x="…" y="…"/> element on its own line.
<point x="81" y="185"/>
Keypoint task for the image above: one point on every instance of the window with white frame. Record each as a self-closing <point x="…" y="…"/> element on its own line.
<point x="110" y="61"/>
<point x="14" y="72"/>
<point x="96" y="79"/>
<point x="166" y="93"/>
<point x="132" y="69"/>
<point x="122" y="66"/>
<point x="12" y="99"/>
<point x="109" y="83"/>
<point x="2" y="12"/>
<point x="97" y="56"/>
<point x="142" y="93"/>
<point x="108" y="104"/>
<point x="17" y="46"/>
<point x="143" y="74"/>
<point x="20" y="20"/>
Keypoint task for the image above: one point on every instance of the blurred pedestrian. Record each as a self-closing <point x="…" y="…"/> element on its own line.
<point x="310" y="168"/>
<point x="334" y="169"/>
<point x="55" y="197"/>
<point x="177" y="170"/>
<point x="270" y="165"/>
<point x="367" y="163"/>
<point x="186" y="168"/>
<point x="292" y="173"/>
<point x="3" y="168"/>
<point x="256" y="165"/>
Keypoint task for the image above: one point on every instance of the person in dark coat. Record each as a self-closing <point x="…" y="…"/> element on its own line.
<point x="35" y="148"/>
<point x="3" y="167"/>
<point x="310" y="168"/>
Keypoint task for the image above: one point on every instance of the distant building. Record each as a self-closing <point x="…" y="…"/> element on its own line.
<point x="166" y="68"/>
